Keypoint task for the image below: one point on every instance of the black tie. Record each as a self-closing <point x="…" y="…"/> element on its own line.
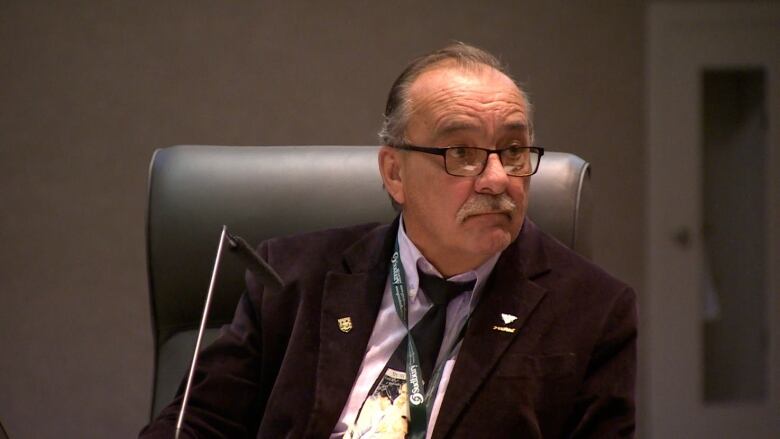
<point x="429" y="331"/>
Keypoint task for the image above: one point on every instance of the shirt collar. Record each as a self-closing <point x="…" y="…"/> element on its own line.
<point x="412" y="258"/>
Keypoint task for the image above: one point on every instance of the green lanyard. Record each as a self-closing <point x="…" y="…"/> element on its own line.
<point x="420" y="400"/>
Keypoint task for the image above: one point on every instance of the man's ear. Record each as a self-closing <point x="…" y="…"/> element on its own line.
<point x="391" y="169"/>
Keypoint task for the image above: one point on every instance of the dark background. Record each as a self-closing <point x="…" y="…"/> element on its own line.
<point x="88" y="90"/>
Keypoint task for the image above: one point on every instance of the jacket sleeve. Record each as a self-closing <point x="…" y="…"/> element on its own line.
<point x="605" y="406"/>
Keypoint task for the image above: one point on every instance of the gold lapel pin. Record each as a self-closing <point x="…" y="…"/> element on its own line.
<point x="504" y="329"/>
<point x="345" y="324"/>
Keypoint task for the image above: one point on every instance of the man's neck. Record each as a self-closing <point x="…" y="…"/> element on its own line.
<point x="449" y="264"/>
<point x="454" y="267"/>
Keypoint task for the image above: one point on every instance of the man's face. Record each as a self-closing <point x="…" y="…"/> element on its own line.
<point x="459" y="222"/>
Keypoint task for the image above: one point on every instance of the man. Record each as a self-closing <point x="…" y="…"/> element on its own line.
<point x="532" y="341"/>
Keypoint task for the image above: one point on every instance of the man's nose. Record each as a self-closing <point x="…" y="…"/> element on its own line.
<point x="493" y="179"/>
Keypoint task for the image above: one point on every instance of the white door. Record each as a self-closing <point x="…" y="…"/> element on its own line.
<point x="710" y="342"/>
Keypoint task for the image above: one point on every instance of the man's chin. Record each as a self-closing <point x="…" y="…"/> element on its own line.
<point x="494" y="241"/>
<point x="498" y="228"/>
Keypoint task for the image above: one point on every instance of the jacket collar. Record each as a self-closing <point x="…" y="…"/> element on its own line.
<point x="356" y="292"/>
<point x="351" y="294"/>
<point x="372" y="252"/>
<point x="511" y="291"/>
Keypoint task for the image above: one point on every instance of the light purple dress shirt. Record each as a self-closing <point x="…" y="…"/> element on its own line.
<point x="389" y="331"/>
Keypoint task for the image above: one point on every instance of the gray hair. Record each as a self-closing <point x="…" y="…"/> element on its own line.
<point x="464" y="56"/>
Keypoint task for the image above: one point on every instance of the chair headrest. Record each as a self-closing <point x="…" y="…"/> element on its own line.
<point x="263" y="192"/>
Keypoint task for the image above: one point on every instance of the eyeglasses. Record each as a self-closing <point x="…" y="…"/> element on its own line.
<point x="466" y="161"/>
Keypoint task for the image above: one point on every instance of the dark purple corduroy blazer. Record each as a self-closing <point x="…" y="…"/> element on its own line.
<point x="284" y="369"/>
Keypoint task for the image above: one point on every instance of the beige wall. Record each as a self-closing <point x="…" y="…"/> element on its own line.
<point x="89" y="89"/>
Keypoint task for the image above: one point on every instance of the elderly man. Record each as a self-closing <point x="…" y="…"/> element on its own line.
<point x="510" y="333"/>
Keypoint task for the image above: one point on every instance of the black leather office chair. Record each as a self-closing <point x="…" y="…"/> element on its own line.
<point x="262" y="192"/>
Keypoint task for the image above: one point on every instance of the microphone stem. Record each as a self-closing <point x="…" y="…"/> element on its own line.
<point x="203" y="319"/>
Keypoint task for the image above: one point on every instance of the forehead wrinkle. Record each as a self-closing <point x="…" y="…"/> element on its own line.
<point x="438" y="99"/>
<point x="452" y="103"/>
<point x="457" y="84"/>
<point x="454" y="126"/>
<point x="479" y="120"/>
<point x="516" y="126"/>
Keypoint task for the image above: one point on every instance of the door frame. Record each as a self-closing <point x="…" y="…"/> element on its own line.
<point x="683" y="38"/>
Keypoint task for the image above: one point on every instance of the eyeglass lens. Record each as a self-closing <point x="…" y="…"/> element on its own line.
<point x="471" y="161"/>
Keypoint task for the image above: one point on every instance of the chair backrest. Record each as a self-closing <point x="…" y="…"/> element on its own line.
<point x="263" y="192"/>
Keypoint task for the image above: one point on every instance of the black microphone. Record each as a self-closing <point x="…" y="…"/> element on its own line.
<point x="256" y="264"/>
<point x="259" y="267"/>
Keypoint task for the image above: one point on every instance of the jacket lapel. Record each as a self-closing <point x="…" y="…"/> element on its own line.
<point x="511" y="291"/>
<point x="352" y="296"/>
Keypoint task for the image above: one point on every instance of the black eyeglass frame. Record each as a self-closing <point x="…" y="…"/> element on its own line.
<point x="442" y="151"/>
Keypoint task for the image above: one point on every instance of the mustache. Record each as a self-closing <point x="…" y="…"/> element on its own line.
<point x="479" y="204"/>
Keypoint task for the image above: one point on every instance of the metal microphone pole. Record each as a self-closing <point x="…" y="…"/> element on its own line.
<point x="200" y="332"/>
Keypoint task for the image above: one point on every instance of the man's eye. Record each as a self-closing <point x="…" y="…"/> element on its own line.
<point x="513" y="151"/>
<point x="458" y="152"/>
